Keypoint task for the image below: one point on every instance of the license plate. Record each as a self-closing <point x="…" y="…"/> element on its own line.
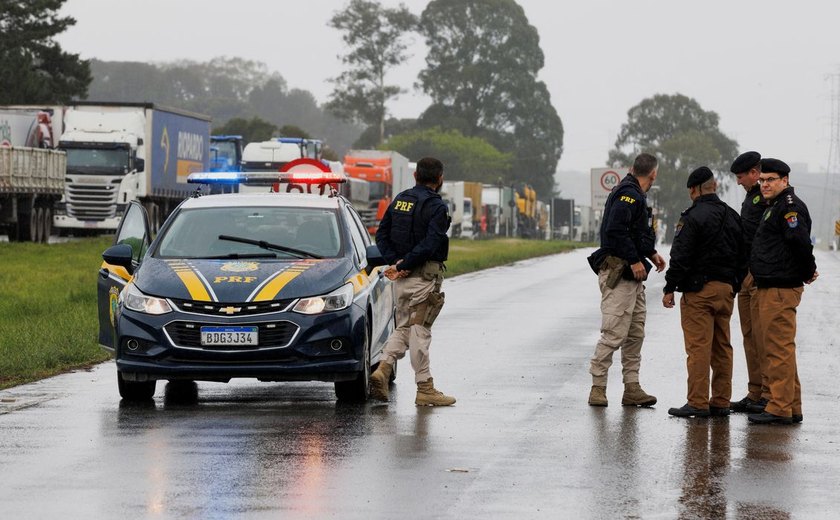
<point x="229" y="336"/>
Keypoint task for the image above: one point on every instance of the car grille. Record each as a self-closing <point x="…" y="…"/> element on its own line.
<point x="272" y="335"/>
<point x="232" y="309"/>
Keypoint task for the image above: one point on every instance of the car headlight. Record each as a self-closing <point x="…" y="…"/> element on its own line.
<point x="340" y="298"/>
<point x="135" y="300"/>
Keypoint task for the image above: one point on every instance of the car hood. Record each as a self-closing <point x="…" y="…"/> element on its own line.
<point x="239" y="281"/>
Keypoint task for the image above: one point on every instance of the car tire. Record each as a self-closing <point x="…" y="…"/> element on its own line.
<point x="135" y="390"/>
<point x="357" y="390"/>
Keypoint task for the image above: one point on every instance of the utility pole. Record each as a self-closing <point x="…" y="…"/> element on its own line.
<point x="830" y="201"/>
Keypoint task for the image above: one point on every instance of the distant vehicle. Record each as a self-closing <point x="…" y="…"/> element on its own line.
<point x="272" y="155"/>
<point x="272" y="286"/>
<point x="31" y="172"/>
<point x="563" y="218"/>
<point x="388" y="173"/>
<point x="226" y="153"/>
<point x="121" y="152"/>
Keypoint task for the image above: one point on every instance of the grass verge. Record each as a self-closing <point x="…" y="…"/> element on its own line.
<point x="48" y="310"/>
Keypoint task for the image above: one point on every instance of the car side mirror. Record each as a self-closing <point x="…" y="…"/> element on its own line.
<point x="120" y="255"/>
<point x="374" y="258"/>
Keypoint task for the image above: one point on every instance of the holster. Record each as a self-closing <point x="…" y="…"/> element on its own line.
<point x="426" y="313"/>
<point x="615" y="268"/>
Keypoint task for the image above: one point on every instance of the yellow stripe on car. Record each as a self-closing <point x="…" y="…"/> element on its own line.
<point x="190" y="280"/>
<point x="117" y="270"/>
<point x="273" y="287"/>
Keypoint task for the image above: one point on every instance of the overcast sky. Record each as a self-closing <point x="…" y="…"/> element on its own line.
<point x="762" y="65"/>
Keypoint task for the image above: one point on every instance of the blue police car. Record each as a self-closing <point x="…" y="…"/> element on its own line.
<point x="272" y="286"/>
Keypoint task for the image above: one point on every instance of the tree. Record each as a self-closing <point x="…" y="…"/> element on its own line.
<point x="251" y="130"/>
<point x="683" y="136"/>
<point x="464" y="158"/>
<point x="481" y="73"/>
<point x="375" y="39"/>
<point x="35" y="69"/>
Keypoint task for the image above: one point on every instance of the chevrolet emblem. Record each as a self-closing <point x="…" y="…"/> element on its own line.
<point x="230" y="310"/>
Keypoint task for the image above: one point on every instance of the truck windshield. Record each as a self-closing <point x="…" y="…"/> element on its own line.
<point x="377" y="190"/>
<point x="223" y="156"/>
<point x="194" y="233"/>
<point x="97" y="160"/>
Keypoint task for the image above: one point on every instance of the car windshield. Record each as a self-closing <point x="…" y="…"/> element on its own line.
<point x="194" y="233"/>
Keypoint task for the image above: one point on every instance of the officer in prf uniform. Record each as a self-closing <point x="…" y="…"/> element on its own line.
<point x="747" y="168"/>
<point x="708" y="262"/>
<point x="782" y="260"/>
<point x="627" y="240"/>
<point x="412" y="238"/>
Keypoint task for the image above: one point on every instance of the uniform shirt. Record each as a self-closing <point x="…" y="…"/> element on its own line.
<point x="708" y="245"/>
<point x="626" y="230"/>
<point x="782" y="254"/>
<point x="752" y="210"/>
<point x="414" y="228"/>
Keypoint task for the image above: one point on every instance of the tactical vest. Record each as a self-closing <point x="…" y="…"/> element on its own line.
<point x="408" y="223"/>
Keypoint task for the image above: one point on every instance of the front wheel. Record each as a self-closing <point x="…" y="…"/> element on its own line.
<point x="135" y="390"/>
<point x="357" y="390"/>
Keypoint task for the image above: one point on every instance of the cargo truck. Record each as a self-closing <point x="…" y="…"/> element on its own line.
<point x="388" y="173"/>
<point x="226" y="153"/>
<point x="120" y="152"/>
<point x="31" y="172"/>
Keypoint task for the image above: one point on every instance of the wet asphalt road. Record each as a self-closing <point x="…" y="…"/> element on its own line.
<point x="513" y="346"/>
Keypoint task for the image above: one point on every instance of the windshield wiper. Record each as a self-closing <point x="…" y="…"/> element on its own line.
<point x="238" y="256"/>
<point x="266" y="245"/>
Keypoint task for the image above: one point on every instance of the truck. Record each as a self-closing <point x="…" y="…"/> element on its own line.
<point x="31" y="171"/>
<point x="562" y="218"/>
<point x="452" y="193"/>
<point x="526" y="204"/>
<point x="498" y="203"/>
<point x="226" y="153"/>
<point x="586" y="224"/>
<point x="472" y="198"/>
<point x="272" y="155"/>
<point x="388" y="173"/>
<point x="121" y="152"/>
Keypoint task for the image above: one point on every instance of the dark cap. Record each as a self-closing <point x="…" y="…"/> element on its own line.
<point x="745" y="162"/>
<point x="699" y="176"/>
<point x="775" y="166"/>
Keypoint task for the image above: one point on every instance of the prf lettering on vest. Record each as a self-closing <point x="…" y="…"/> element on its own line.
<point x="625" y="198"/>
<point x="403" y="206"/>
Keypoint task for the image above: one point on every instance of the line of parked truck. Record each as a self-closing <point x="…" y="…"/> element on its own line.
<point x="75" y="168"/>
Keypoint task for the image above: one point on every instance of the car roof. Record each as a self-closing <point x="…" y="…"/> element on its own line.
<point x="262" y="199"/>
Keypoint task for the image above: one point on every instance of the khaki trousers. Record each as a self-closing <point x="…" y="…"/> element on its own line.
<point x="705" y="319"/>
<point x="410" y="292"/>
<point x="623" y="312"/>
<point x="778" y="317"/>
<point x="753" y="349"/>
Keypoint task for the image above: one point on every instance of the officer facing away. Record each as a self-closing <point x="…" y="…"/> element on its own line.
<point x="782" y="260"/>
<point x="708" y="262"/>
<point x="412" y="238"/>
<point x="747" y="168"/>
<point x="627" y="241"/>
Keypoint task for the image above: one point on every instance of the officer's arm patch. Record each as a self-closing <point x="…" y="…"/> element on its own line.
<point x="791" y="219"/>
<point x="679" y="227"/>
<point x="625" y="198"/>
<point x="756" y="199"/>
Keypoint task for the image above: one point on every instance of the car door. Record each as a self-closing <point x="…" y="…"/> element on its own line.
<point x="382" y="293"/>
<point x="134" y="231"/>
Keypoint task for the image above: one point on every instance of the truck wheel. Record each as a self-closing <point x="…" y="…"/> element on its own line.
<point x="46" y="225"/>
<point x="37" y="225"/>
<point x="135" y="390"/>
<point x="358" y="389"/>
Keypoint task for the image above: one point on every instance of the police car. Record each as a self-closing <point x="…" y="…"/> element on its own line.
<point x="272" y="286"/>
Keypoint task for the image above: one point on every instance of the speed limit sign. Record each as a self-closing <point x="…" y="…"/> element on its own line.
<point x="603" y="181"/>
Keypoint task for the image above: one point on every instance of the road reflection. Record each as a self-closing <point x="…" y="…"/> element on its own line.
<point x="237" y="452"/>
<point x="706" y="456"/>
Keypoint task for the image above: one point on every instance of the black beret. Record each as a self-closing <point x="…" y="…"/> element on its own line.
<point x="699" y="176"/>
<point x="745" y="162"/>
<point x="775" y="166"/>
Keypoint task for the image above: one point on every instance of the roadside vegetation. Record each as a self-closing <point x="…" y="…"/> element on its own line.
<point x="48" y="312"/>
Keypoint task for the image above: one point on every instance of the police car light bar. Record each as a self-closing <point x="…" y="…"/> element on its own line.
<point x="266" y="178"/>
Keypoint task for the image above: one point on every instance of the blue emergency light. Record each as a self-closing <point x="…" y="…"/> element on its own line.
<point x="266" y="178"/>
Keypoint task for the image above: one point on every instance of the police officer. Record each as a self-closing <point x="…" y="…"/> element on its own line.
<point x="782" y="260"/>
<point x="627" y="241"/>
<point x="412" y="238"/>
<point x="747" y="168"/>
<point x="708" y="262"/>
